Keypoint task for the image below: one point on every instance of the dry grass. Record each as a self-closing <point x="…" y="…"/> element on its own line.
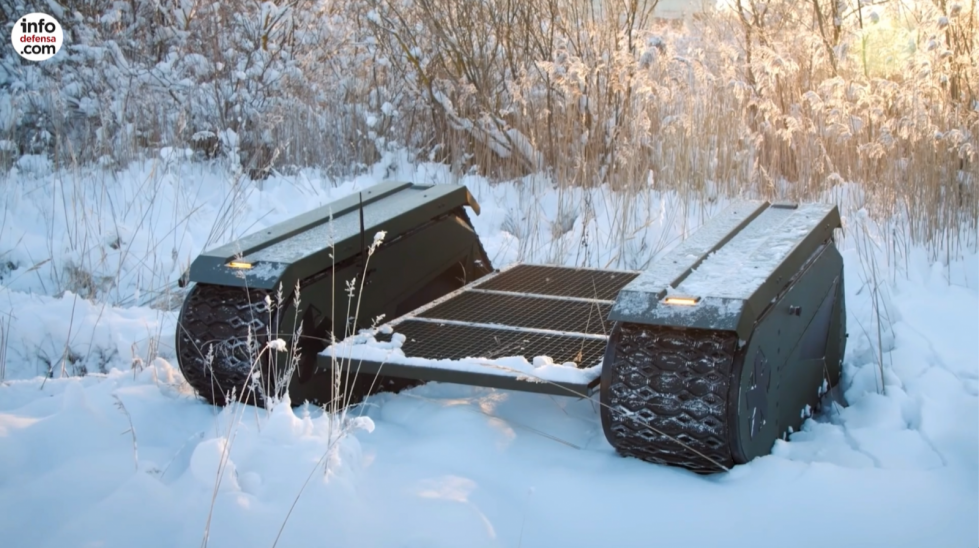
<point x="772" y="98"/>
<point x="752" y="101"/>
<point x="273" y="364"/>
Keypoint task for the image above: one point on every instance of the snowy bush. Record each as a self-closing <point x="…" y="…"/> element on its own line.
<point x="288" y="78"/>
<point x="776" y="98"/>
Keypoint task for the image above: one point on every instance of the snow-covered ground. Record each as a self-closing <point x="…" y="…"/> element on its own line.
<point x="127" y="456"/>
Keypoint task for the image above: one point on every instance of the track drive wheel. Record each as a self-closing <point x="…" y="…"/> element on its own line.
<point x="665" y="393"/>
<point x="217" y="355"/>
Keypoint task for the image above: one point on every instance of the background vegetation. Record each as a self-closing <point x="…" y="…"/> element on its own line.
<point x="784" y="99"/>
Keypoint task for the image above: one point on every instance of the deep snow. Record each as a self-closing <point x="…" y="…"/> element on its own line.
<point x="130" y="457"/>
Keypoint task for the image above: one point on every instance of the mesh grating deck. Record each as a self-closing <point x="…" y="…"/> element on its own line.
<point x="560" y="281"/>
<point x="526" y="310"/>
<point x="456" y="342"/>
<point x="523" y="311"/>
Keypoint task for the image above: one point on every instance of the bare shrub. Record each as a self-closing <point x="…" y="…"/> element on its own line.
<point x="772" y="98"/>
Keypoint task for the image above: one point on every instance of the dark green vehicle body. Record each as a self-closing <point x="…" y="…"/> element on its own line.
<point x="705" y="359"/>
<point x="761" y="342"/>
<point x="300" y="248"/>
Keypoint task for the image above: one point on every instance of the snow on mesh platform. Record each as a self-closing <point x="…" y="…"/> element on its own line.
<point x="739" y="268"/>
<point x="366" y="347"/>
<point x="456" y="341"/>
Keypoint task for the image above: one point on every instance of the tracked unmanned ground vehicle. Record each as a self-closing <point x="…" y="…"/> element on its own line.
<point x="707" y="357"/>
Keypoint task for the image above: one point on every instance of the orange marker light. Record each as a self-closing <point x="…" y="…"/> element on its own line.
<point x="683" y="301"/>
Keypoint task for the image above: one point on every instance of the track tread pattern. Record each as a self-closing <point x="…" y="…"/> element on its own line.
<point x="676" y="382"/>
<point x="219" y="318"/>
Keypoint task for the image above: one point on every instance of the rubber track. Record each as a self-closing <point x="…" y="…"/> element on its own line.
<point x="218" y="316"/>
<point x="666" y="384"/>
<point x="217" y="319"/>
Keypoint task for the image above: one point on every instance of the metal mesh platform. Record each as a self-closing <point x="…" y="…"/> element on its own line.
<point x="525" y="310"/>
<point x="582" y="283"/>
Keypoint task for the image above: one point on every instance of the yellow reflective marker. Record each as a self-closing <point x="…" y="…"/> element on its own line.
<point x="683" y="301"/>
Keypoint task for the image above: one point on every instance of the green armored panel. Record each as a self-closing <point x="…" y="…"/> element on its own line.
<point x="728" y="271"/>
<point x="729" y="341"/>
<point x="299" y="247"/>
<point x="638" y="301"/>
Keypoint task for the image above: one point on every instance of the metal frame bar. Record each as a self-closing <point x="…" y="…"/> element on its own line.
<point x="512" y="328"/>
<point x="540" y="296"/>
